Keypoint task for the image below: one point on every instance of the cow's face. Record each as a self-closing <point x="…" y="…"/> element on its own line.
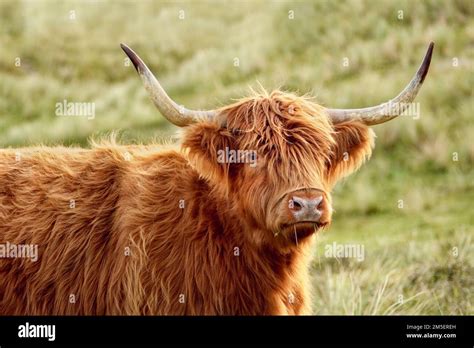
<point x="277" y="158"/>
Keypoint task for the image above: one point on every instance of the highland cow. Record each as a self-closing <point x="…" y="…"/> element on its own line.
<point x="149" y="230"/>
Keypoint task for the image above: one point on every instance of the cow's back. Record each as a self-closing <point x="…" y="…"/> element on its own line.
<point x="64" y="201"/>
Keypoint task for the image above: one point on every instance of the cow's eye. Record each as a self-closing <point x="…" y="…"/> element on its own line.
<point x="236" y="131"/>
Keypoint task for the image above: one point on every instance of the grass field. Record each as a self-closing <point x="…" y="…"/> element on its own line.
<point x="419" y="258"/>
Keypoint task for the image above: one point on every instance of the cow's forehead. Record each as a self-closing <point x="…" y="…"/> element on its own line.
<point x="277" y="111"/>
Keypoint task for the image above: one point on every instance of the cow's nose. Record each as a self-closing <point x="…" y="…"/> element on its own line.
<point x="306" y="208"/>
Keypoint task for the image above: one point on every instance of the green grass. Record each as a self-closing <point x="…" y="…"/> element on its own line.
<point x="422" y="254"/>
<point x="409" y="251"/>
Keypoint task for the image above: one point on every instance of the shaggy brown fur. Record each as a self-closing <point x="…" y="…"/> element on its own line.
<point x="216" y="255"/>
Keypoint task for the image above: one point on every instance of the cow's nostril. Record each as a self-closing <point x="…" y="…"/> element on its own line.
<point x="295" y="205"/>
<point x="319" y="202"/>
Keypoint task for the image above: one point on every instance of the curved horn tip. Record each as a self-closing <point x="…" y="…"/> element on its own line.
<point x="137" y="62"/>
<point x="176" y="114"/>
<point x="426" y="62"/>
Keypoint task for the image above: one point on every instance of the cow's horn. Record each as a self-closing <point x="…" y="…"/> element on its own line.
<point x="176" y="114"/>
<point x="385" y="112"/>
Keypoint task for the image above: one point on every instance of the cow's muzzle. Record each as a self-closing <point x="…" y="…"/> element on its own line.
<point x="306" y="206"/>
<point x="304" y="211"/>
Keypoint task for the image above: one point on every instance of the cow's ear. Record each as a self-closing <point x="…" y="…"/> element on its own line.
<point x="354" y="142"/>
<point x="207" y="145"/>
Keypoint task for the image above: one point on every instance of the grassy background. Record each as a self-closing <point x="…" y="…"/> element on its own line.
<point x="421" y="253"/>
